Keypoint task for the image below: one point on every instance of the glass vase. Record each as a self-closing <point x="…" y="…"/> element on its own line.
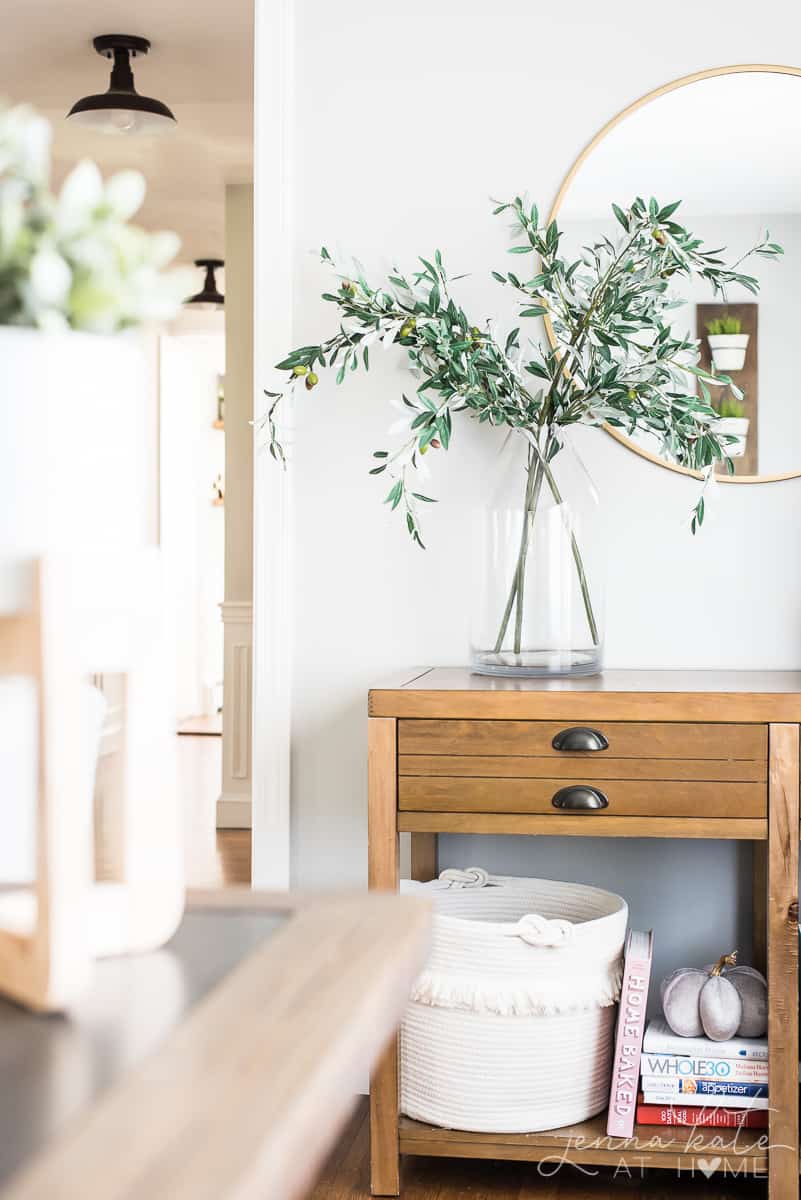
<point x="539" y="594"/>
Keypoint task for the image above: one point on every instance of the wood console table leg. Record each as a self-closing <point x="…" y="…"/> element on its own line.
<point x="783" y="829"/>
<point x="384" y="874"/>
<point x="425" y="856"/>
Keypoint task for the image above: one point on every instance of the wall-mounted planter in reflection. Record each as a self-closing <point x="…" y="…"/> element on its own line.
<point x="736" y="427"/>
<point x="728" y="350"/>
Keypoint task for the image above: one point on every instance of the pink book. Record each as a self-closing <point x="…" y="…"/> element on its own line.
<point x="630" y="1031"/>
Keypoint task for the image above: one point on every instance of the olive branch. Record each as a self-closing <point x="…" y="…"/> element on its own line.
<point x="616" y="358"/>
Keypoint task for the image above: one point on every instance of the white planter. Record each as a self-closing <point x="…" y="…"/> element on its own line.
<point x="74" y="442"/>
<point x="78" y="449"/>
<point x="735" y="427"/>
<point x="72" y="452"/>
<point x="728" y="350"/>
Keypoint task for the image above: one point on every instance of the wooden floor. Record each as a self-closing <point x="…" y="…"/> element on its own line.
<point x="346" y="1177"/>
<point x="232" y="857"/>
<point x="202" y="726"/>
<point x="214" y="857"/>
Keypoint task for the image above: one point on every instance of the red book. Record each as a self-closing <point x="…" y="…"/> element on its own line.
<point x="630" y="1030"/>
<point x="717" y="1118"/>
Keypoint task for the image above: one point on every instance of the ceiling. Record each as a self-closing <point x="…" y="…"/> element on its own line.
<point x="200" y="64"/>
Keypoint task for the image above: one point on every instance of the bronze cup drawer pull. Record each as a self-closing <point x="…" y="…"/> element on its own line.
<point x="581" y="797"/>
<point x="580" y="738"/>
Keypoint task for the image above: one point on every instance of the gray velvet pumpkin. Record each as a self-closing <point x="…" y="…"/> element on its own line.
<point x="720" y="1001"/>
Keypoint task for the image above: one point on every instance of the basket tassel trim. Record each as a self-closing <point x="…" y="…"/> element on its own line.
<point x="521" y="998"/>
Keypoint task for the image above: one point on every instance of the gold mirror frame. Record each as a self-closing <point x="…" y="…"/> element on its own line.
<point x="674" y="85"/>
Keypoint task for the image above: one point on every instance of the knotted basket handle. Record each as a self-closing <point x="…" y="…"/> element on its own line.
<point x="540" y="931"/>
<point x="468" y="877"/>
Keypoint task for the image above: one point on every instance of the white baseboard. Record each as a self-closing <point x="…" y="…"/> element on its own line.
<point x="233" y="811"/>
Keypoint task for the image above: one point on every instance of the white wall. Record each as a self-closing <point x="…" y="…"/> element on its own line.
<point x="406" y="121"/>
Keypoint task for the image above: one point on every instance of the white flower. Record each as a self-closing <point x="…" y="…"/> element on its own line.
<point x="50" y="278"/>
<point x="25" y="144"/>
<point x="81" y="194"/>
<point x="50" y="320"/>
<point x="162" y="249"/>
<point x="12" y="217"/>
<point x="124" y="194"/>
<point x="74" y="261"/>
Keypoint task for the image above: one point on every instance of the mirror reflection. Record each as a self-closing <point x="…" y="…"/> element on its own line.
<point x="727" y="147"/>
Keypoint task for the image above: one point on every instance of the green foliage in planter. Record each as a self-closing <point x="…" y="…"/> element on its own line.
<point x="617" y="360"/>
<point x="725" y="325"/>
<point x="731" y="408"/>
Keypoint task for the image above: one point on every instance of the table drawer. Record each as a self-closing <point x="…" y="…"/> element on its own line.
<point x="645" y="740"/>
<point x="618" y="797"/>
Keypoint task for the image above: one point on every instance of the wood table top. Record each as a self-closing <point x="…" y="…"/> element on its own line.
<point x="224" y="1063"/>
<point x="456" y="692"/>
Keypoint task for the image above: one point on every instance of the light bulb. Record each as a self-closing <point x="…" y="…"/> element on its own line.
<point x="123" y="119"/>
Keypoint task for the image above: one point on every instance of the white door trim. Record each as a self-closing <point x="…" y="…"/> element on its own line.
<point x="234" y="802"/>
<point x="272" y="498"/>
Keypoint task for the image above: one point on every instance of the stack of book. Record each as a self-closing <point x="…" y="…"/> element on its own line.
<point x="659" y="1078"/>
<point x="695" y="1081"/>
<point x="637" y="959"/>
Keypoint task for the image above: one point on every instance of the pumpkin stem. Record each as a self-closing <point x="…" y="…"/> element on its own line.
<point x="727" y="960"/>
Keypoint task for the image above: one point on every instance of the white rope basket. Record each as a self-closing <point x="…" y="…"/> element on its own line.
<point x="510" y="1028"/>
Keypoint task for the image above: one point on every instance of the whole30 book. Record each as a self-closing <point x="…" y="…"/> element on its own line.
<point x="660" y="1039"/>
<point x="691" y="1086"/>
<point x="716" y="1118"/>
<point x="629" y="1035"/>
<point x="668" y="1066"/>
<point x="662" y="1097"/>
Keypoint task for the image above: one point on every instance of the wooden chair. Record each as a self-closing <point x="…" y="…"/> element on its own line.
<point x="74" y="616"/>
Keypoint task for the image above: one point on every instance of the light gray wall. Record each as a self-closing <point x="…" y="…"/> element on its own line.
<point x="406" y="121"/>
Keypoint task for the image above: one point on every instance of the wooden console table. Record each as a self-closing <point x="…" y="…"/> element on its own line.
<point x="707" y="754"/>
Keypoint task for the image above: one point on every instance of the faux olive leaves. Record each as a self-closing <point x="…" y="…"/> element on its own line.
<point x="720" y="1001"/>
<point x="619" y="357"/>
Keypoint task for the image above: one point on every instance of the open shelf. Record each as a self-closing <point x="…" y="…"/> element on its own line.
<point x="670" y="1147"/>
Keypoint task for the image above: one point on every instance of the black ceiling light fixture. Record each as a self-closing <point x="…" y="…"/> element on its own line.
<point x="121" y="109"/>
<point x="209" y="296"/>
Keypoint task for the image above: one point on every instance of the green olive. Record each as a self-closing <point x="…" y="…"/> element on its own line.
<point x="300" y="370"/>
<point x="311" y="380"/>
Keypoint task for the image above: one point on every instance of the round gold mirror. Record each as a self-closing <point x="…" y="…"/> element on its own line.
<point x="725" y="142"/>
